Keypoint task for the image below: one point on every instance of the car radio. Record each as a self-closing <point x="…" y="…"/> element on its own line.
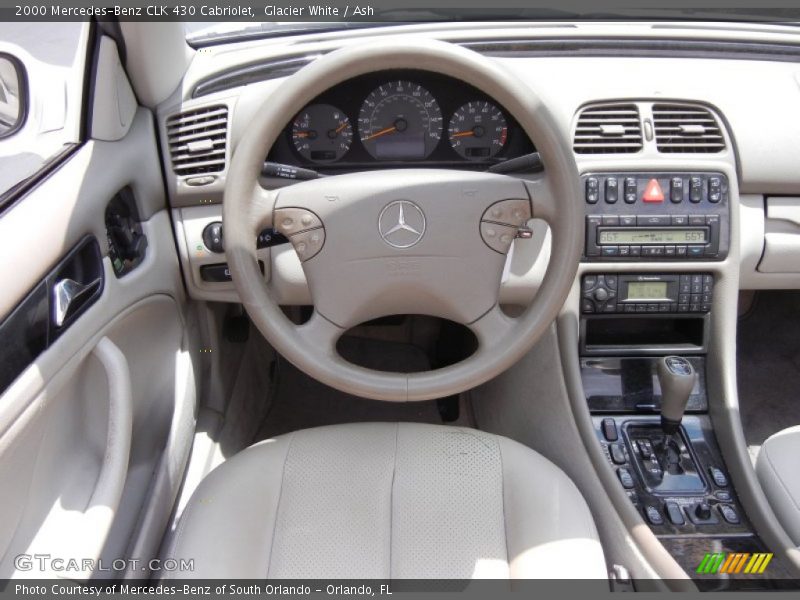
<point x="647" y="293"/>
<point x="669" y="216"/>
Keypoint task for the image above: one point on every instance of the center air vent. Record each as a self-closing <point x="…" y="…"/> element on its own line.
<point x="608" y="129"/>
<point x="197" y="140"/>
<point x="681" y="128"/>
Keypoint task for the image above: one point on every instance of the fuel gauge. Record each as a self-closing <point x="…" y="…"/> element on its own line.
<point x="322" y="133"/>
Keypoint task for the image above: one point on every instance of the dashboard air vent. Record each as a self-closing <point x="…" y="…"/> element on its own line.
<point x="608" y="129"/>
<point x="680" y="128"/>
<point x="197" y="140"/>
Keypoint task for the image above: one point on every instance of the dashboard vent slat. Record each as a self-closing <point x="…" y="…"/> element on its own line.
<point x="686" y="129"/>
<point x="198" y="140"/>
<point x="608" y="129"/>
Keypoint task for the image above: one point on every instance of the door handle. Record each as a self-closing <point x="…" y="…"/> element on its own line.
<point x="69" y="295"/>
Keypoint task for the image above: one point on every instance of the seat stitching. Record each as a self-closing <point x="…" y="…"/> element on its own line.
<point x="280" y="498"/>
<point x="391" y="498"/>
<point x="503" y="497"/>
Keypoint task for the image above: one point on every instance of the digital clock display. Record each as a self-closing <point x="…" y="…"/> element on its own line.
<point x="652" y="236"/>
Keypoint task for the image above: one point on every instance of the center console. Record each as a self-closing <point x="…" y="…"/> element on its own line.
<point x="643" y="341"/>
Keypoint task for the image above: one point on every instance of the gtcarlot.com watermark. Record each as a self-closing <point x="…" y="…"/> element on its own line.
<point x="53" y="564"/>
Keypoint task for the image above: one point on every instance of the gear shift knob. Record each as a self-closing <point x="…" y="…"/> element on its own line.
<point x="677" y="377"/>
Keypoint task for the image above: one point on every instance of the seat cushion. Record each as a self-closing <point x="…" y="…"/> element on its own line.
<point x="780" y="478"/>
<point x="388" y="501"/>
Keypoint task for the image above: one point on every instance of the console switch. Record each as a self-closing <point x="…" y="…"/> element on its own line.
<point x="718" y="476"/>
<point x="625" y="478"/>
<point x="674" y="513"/>
<point x="610" y="429"/>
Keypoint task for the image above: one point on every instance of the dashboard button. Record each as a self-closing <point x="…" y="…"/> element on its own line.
<point x="680" y="250"/>
<point x="697" y="219"/>
<point x="652" y="192"/>
<point x="625" y="478"/>
<point x="627" y="220"/>
<point x="695" y="251"/>
<point x="611" y="281"/>
<point x="669" y="250"/>
<point x="676" y="190"/>
<point x="592" y="190"/>
<point x="696" y="189"/>
<point x="609" y="427"/>
<point x="610" y="251"/>
<point x="587" y="306"/>
<point x="679" y="219"/>
<point x="653" y="251"/>
<point x="610" y="220"/>
<point x="612" y="190"/>
<point x="636" y="250"/>
<point x="589" y="281"/>
<point x="729" y="514"/>
<point x="653" y="220"/>
<point x="674" y="513"/>
<point x="624" y="251"/>
<point x="653" y="515"/>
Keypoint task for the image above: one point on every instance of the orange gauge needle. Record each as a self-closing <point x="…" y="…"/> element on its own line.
<point x="342" y="125"/>
<point x="381" y="132"/>
<point x="301" y="134"/>
<point x="463" y="133"/>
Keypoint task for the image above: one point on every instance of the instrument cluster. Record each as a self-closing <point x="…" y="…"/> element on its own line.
<point x="401" y="118"/>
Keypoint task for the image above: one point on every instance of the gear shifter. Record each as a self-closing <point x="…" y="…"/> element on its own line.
<point x="677" y="378"/>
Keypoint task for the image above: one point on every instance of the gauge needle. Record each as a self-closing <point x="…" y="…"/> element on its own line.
<point x="342" y="125"/>
<point x="381" y="132"/>
<point x="463" y="133"/>
<point x="301" y="134"/>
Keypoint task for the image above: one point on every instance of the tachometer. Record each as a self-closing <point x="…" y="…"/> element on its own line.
<point x="478" y="130"/>
<point x="400" y="120"/>
<point x="322" y="133"/>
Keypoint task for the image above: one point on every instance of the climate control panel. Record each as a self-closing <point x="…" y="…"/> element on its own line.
<point x="656" y="216"/>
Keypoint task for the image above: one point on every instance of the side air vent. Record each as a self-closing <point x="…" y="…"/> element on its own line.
<point x="608" y="129"/>
<point x="686" y="129"/>
<point x="197" y="140"/>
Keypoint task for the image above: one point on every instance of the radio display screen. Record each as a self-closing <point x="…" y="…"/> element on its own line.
<point x="652" y="236"/>
<point x="647" y="290"/>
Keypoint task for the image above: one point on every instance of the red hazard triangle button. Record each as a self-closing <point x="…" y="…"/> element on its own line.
<point x="653" y="192"/>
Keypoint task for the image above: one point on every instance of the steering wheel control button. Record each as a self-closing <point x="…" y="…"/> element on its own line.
<point x="307" y="244"/>
<point x="498" y="237"/>
<point x="290" y="221"/>
<point x="508" y="212"/>
<point x="401" y="224"/>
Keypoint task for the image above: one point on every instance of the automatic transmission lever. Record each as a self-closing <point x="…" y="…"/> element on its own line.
<point x="677" y="378"/>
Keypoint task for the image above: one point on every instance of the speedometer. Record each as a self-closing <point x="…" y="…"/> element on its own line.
<point x="400" y="120"/>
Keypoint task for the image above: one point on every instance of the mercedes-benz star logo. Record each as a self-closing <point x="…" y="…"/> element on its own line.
<point x="401" y="224"/>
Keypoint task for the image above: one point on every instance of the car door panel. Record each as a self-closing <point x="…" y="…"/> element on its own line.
<point x="95" y="423"/>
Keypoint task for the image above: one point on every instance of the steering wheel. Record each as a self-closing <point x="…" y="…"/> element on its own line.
<point x="403" y="241"/>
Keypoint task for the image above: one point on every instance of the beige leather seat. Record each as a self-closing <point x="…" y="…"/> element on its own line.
<point x="388" y="500"/>
<point x="780" y="478"/>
